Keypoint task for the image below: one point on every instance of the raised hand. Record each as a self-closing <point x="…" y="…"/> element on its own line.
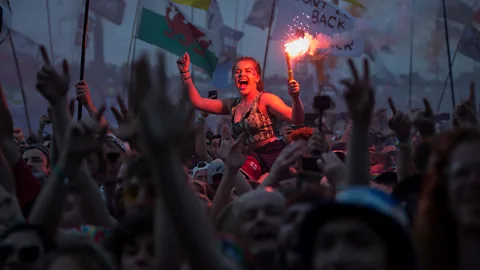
<point x="44" y="120"/>
<point x="225" y="144"/>
<point x="281" y="167"/>
<point x="359" y="94"/>
<point x="235" y="158"/>
<point x="18" y="134"/>
<point x="84" y="137"/>
<point x="51" y="84"/>
<point x="183" y="63"/>
<point x="465" y="113"/>
<point x="317" y="143"/>
<point x="83" y="93"/>
<point x="165" y="124"/>
<point x="399" y="122"/>
<point x="335" y="170"/>
<point x="424" y="121"/>
<point x="128" y="124"/>
<point x="293" y="89"/>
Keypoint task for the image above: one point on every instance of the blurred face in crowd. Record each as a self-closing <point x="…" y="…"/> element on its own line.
<point x="260" y="215"/>
<point x="20" y="250"/>
<point x="213" y="147"/>
<point x="201" y="175"/>
<point x="9" y="209"/>
<point x="289" y="233"/>
<point x="245" y="77"/>
<point x="348" y="244"/>
<point x="138" y="254"/>
<point x="65" y="262"/>
<point x="138" y="193"/>
<point x="113" y="155"/>
<point x="71" y="215"/>
<point x="464" y="183"/>
<point x="37" y="160"/>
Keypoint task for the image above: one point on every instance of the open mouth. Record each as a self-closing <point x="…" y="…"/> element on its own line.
<point x="242" y="83"/>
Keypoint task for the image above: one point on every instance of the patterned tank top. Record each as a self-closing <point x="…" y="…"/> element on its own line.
<point x="257" y="125"/>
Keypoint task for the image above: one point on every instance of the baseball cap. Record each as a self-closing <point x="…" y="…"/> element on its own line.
<point x="251" y="168"/>
<point x="380" y="211"/>
<point x="214" y="170"/>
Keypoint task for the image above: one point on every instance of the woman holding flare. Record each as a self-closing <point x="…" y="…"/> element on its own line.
<point x="256" y="113"/>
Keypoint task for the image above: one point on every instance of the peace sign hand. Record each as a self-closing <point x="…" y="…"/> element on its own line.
<point x="84" y="137"/>
<point x="424" y="121"/>
<point x="51" y="84"/>
<point x="359" y="94"/>
<point x="165" y="125"/>
<point x="128" y="124"/>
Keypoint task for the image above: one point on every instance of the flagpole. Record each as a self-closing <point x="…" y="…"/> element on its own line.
<point x="20" y="81"/>
<point x="410" y="77"/>
<point x="449" y="57"/>
<point x="52" y="56"/>
<point x="193" y="68"/>
<point x="133" y="41"/>
<point x="268" y="39"/>
<point x="453" y="61"/>
<point x="84" y="49"/>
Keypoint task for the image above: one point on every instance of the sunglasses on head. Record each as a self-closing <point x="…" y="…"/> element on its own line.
<point x="26" y="254"/>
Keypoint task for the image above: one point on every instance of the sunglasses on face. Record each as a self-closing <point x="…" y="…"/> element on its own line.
<point x="26" y="254"/>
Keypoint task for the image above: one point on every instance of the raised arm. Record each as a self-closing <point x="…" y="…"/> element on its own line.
<point x="276" y="106"/>
<point x="214" y="106"/>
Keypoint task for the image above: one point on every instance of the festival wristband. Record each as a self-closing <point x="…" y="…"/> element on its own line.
<point x="183" y="72"/>
<point x="186" y="78"/>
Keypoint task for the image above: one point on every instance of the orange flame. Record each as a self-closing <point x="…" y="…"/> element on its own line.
<point x="299" y="46"/>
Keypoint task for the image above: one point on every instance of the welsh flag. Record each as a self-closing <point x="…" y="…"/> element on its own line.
<point x="162" y="24"/>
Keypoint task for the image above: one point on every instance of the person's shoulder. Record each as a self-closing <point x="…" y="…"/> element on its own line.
<point x="268" y="97"/>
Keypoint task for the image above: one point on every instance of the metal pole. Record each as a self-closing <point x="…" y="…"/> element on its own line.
<point x="268" y="39"/>
<point x="84" y="49"/>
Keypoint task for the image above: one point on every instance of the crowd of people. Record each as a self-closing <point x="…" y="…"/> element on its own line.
<point x="267" y="192"/>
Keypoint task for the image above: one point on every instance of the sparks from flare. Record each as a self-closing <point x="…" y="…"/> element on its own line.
<point x="299" y="42"/>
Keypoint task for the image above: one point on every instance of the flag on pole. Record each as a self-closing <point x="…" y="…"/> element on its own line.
<point x="469" y="44"/>
<point x="200" y="4"/>
<point x="163" y="25"/>
<point x="214" y="17"/>
<point x="260" y="14"/>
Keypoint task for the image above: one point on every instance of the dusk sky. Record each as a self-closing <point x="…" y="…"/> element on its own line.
<point x="30" y="18"/>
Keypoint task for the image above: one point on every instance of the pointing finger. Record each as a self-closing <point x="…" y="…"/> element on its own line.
<point x="428" y="107"/>
<point x="45" y="57"/>
<point x="392" y="106"/>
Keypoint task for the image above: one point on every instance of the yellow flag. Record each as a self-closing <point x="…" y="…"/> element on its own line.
<point x="200" y="4"/>
<point x="355" y="3"/>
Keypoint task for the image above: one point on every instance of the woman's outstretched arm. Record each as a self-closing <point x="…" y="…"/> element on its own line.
<point x="214" y="106"/>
